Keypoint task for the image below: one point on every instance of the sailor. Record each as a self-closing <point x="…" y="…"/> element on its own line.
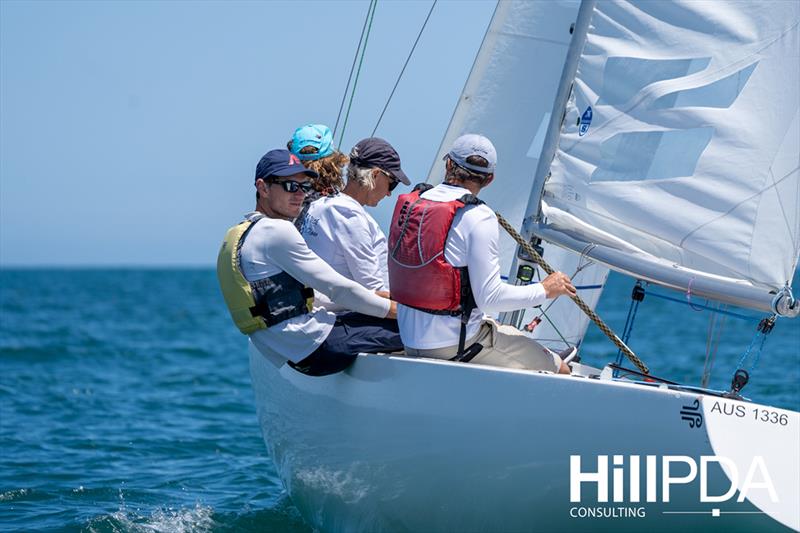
<point x="339" y="229"/>
<point x="268" y="276"/>
<point x="313" y="145"/>
<point x="445" y="275"/>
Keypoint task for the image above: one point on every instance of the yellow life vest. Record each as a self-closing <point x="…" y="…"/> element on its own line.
<point x="262" y="303"/>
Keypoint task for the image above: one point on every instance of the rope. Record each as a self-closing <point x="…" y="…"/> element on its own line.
<point x="764" y="328"/>
<point x="756" y="337"/>
<point x="577" y="299"/>
<point x="396" y="83"/>
<point x="374" y="4"/>
<point x="352" y="68"/>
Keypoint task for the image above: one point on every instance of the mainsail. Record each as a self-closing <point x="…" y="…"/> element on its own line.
<point x="678" y="157"/>
<point x="509" y="98"/>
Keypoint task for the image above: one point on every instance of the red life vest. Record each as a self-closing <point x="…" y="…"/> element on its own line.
<point x="419" y="275"/>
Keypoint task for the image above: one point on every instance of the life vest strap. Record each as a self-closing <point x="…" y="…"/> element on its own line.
<point x="262" y="303"/>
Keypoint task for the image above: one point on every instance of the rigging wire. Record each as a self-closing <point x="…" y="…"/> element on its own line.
<point x="552" y="324"/>
<point x="397" y="82"/>
<point x="365" y="29"/>
<point x="352" y="68"/>
<point x="700" y="306"/>
<point x="543" y="312"/>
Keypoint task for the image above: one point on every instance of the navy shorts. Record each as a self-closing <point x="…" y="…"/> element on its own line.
<point x="352" y="333"/>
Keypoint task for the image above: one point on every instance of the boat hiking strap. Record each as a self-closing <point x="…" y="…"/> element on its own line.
<point x="539" y="260"/>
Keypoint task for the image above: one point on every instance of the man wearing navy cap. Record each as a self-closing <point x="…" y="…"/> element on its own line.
<point x="444" y="270"/>
<point x="340" y="230"/>
<point x="267" y="271"/>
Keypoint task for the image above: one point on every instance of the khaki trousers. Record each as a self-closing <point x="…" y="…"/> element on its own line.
<point x="502" y="346"/>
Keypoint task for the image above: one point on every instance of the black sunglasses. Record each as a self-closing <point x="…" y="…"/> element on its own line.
<point x="393" y="183"/>
<point x="294" y="186"/>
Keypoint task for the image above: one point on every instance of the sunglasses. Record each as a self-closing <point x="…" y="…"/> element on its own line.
<point x="393" y="183"/>
<point x="294" y="186"/>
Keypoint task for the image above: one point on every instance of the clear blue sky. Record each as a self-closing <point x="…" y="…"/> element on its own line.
<point x="129" y="131"/>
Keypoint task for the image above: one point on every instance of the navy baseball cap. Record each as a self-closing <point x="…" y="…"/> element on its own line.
<point x="281" y="163"/>
<point x="375" y="152"/>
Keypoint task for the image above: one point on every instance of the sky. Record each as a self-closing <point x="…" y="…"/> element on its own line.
<point x="130" y="131"/>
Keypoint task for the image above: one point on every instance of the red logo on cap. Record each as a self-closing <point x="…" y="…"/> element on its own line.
<point x="293" y="160"/>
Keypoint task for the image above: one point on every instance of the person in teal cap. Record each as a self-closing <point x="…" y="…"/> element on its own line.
<point x="313" y="146"/>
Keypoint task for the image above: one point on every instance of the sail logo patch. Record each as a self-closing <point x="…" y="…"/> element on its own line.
<point x="585" y="122"/>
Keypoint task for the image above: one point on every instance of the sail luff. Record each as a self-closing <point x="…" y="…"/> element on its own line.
<point x="461" y="111"/>
<point x="562" y="323"/>
<point x="550" y="145"/>
<point x="509" y="97"/>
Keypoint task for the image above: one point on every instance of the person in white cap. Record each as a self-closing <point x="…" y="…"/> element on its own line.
<point x="444" y="271"/>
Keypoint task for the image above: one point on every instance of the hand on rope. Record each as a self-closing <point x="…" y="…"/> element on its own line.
<point x="539" y="260"/>
<point x="558" y="284"/>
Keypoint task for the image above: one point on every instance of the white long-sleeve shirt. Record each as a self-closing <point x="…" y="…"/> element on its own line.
<point x="472" y="242"/>
<point x="274" y="245"/>
<point x="339" y="230"/>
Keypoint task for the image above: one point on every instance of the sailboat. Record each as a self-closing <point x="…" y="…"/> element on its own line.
<point x="665" y="147"/>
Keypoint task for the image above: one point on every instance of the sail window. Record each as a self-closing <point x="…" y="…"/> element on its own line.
<point x="641" y="155"/>
<point x="625" y="77"/>
<point x="720" y="94"/>
<point x="538" y="140"/>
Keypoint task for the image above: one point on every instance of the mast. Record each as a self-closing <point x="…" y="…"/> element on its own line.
<point x="559" y="110"/>
<point x="509" y="98"/>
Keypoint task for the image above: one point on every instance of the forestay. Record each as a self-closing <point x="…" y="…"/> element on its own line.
<point x="508" y="97"/>
<point x="678" y="156"/>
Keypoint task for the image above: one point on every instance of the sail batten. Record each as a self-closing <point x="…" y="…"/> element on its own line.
<point x="681" y="145"/>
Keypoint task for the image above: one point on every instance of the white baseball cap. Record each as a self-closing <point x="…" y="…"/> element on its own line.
<point x="473" y="144"/>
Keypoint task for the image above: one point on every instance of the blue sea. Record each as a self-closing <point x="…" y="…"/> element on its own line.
<point x="125" y="398"/>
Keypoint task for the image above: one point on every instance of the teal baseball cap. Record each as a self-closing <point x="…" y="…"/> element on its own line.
<point x="317" y="135"/>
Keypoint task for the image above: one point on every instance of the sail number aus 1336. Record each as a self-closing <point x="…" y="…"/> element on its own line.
<point x="741" y="411"/>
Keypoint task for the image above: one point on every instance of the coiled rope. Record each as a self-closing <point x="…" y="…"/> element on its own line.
<point x="539" y="260"/>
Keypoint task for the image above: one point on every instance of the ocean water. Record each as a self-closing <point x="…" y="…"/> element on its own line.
<point x="125" y="398"/>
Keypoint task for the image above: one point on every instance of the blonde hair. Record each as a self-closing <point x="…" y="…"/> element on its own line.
<point x="328" y="168"/>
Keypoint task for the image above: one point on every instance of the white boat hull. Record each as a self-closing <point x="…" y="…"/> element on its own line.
<point x="407" y="444"/>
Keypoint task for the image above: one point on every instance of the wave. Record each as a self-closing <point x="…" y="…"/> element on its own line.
<point x="168" y="520"/>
